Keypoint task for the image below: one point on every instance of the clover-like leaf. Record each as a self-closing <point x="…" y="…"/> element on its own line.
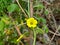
<point x="11" y="8"/>
<point x="40" y="6"/>
<point x="45" y="28"/>
<point x="1" y="25"/>
<point x="40" y="31"/>
<point x="40" y="19"/>
<point x="46" y="12"/>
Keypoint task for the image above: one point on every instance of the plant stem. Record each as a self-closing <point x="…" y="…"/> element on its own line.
<point x="29" y="8"/>
<point x="34" y="43"/>
<point x="21" y="8"/>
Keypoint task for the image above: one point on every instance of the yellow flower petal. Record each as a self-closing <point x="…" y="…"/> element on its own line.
<point x="22" y="35"/>
<point x="31" y="22"/>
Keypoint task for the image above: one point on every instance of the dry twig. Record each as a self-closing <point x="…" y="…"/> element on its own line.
<point x="31" y="8"/>
<point x="54" y="34"/>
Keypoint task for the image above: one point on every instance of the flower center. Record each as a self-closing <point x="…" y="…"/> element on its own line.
<point x="31" y="23"/>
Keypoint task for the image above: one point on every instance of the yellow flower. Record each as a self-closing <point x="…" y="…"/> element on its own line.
<point x="31" y="22"/>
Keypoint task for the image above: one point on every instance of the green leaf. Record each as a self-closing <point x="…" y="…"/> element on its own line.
<point x="46" y="31"/>
<point x="1" y="25"/>
<point x="5" y="19"/>
<point x="11" y="8"/>
<point x="1" y="43"/>
<point x="45" y="28"/>
<point x="40" y="19"/>
<point x="46" y="12"/>
<point x="40" y="6"/>
<point x="39" y="30"/>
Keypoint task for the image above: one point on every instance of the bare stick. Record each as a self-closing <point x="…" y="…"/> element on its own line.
<point x="54" y="22"/>
<point x="17" y="29"/>
<point x="31" y="8"/>
<point x="54" y="34"/>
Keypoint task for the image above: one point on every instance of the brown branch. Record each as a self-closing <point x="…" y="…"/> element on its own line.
<point x="21" y="8"/>
<point x="31" y="8"/>
<point x="54" y="21"/>
<point x="17" y="29"/>
<point x="54" y="34"/>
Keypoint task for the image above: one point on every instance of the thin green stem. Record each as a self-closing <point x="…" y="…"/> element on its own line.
<point x="29" y="8"/>
<point x="34" y="43"/>
<point x="21" y="8"/>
